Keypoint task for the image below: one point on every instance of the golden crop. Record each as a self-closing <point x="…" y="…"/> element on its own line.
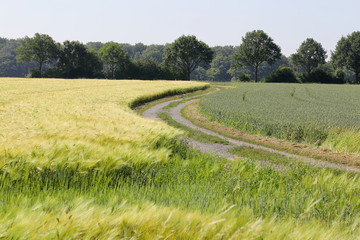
<point x="52" y="121"/>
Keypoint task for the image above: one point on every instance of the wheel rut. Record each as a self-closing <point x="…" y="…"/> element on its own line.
<point x="223" y="150"/>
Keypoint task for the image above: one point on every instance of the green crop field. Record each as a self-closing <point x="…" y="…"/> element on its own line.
<point x="77" y="163"/>
<point x="327" y="115"/>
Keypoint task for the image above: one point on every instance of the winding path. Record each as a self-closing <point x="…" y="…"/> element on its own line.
<point x="223" y="149"/>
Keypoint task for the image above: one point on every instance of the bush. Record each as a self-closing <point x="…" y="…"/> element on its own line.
<point x="34" y="73"/>
<point x="322" y="76"/>
<point x="243" y="78"/>
<point x="282" y="75"/>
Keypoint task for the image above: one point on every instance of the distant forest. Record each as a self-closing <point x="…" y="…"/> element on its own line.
<point x="147" y="62"/>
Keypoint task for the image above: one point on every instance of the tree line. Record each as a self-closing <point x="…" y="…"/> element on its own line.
<point x="257" y="58"/>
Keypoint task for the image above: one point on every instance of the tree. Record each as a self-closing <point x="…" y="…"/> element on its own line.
<point x="94" y="45"/>
<point x="309" y="55"/>
<point x="76" y="61"/>
<point x="221" y="64"/>
<point x="147" y="69"/>
<point x="134" y="51"/>
<point x="347" y="54"/>
<point x="266" y="69"/>
<point x="186" y="53"/>
<point x="9" y="67"/>
<point x="115" y="60"/>
<point x="154" y="52"/>
<point x="41" y="49"/>
<point x="256" y="48"/>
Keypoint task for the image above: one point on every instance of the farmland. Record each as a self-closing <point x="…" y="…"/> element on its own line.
<point x="324" y="115"/>
<point x="79" y="122"/>
<point x="77" y="162"/>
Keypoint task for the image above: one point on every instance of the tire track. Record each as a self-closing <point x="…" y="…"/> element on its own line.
<point x="222" y="149"/>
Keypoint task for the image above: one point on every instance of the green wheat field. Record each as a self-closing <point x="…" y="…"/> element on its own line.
<point x="324" y="115"/>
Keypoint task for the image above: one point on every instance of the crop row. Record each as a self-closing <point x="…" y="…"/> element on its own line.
<point x="301" y="113"/>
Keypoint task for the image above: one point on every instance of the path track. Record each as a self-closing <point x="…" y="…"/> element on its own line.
<point x="222" y="149"/>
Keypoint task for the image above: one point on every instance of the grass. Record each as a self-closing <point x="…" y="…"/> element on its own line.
<point x="147" y="221"/>
<point x="186" y="95"/>
<point x="172" y="92"/>
<point x="192" y="133"/>
<point x="77" y="163"/>
<point x="188" y="194"/>
<point x="191" y="113"/>
<point x="315" y="114"/>
<point x="189" y="97"/>
<point x="261" y="155"/>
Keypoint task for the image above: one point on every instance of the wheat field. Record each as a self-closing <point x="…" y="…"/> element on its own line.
<point x="319" y="114"/>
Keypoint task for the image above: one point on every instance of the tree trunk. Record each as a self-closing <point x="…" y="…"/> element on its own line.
<point x="188" y="72"/>
<point x="112" y="72"/>
<point x="40" y="69"/>
<point x="357" y="77"/>
<point x="256" y="73"/>
<point x="308" y="70"/>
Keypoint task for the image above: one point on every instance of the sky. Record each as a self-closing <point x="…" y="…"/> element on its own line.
<point x="221" y="22"/>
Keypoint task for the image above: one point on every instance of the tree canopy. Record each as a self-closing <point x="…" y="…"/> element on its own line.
<point x="115" y="60"/>
<point x="9" y="66"/>
<point x="347" y="54"/>
<point x="40" y="49"/>
<point x="309" y="55"/>
<point x="256" y="48"/>
<point x="255" y="58"/>
<point x="76" y="61"/>
<point x="154" y="52"/>
<point x="187" y="53"/>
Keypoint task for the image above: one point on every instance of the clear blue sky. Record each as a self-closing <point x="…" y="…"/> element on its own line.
<point x="221" y="22"/>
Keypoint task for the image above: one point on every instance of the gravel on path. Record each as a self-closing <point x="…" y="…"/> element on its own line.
<point x="222" y="149"/>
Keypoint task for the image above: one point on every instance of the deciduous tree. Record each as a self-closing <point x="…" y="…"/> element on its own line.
<point x="187" y="53"/>
<point x="309" y="55"/>
<point x="40" y="49"/>
<point x="76" y="61"/>
<point x="256" y="48"/>
<point x="154" y="52"/>
<point x="115" y="60"/>
<point x="347" y="54"/>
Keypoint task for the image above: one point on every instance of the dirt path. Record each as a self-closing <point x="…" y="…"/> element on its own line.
<point x="222" y="149"/>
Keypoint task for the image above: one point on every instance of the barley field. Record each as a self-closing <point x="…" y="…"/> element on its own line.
<point x="81" y="123"/>
<point x="77" y="163"/>
<point x="325" y="115"/>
